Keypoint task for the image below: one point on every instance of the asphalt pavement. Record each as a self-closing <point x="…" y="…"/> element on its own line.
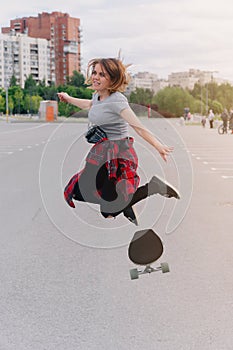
<point x="65" y="282"/>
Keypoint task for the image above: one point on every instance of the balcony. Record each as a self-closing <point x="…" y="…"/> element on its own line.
<point x="71" y="47"/>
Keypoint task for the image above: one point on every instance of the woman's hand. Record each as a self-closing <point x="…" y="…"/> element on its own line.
<point x="63" y="96"/>
<point x="78" y="102"/>
<point x="164" y="151"/>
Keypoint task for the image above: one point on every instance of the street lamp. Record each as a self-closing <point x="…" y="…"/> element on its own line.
<point x="7" y="104"/>
<point x="207" y="94"/>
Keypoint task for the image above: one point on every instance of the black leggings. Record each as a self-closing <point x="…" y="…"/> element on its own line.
<point x="111" y="203"/>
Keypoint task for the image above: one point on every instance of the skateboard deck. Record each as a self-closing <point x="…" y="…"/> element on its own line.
<point x="144" y="249"/>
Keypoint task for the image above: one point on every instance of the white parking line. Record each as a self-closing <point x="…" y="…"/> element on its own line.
<point x="228" y="163"/>
<point x="228" y="169"/>
<point x="25" y="129"/>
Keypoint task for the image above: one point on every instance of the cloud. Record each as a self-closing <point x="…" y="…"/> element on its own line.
<point x="161" y="36"/>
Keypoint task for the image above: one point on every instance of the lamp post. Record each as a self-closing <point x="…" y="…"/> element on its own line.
<point x="207" y="93"/>
<point x="201" y="100"/>
<point x="207" y="105"/>
<point x="7" y="105"/>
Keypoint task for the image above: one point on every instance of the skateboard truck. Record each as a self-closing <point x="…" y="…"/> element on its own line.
<point x="145" y="248"/>
<point x="134" y="273"/>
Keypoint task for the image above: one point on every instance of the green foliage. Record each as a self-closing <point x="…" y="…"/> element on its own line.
<point x="141" y="96"/>
<point x="47" y="92"/>
<point x="216" y="107"/>
<point x="17" y="94"/>
<point x="77" y="79"/>
<point x="30" y="85"/>
<point x="10" y="104"/>
<point x="225" y="95"/>
<point x="2" y="104"/>
<point x="219" y="96"/>
<point x="13" y="81"/>
<point x="67" y="110"/>
<point x="170" y="100"/>
<point x="27" y="100"/>
<point x="174" y="99"/>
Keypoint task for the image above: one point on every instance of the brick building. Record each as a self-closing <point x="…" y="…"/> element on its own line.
<point x="63" y="33"/>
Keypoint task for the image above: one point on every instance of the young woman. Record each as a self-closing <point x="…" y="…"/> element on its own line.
<point x="110" y="177"/>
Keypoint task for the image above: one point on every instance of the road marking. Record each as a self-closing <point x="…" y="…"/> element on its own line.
<point x="227" y="177"/>
<point x="228" y="163"/>
<point x="228" y="169"/>
<point x="20" y="130"/>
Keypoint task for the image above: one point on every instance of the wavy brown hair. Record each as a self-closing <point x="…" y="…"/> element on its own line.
<point x="116" y="70"/>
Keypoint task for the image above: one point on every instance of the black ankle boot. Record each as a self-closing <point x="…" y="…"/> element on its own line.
<point x="159" y="186"/>
<point x="130" y="215"/>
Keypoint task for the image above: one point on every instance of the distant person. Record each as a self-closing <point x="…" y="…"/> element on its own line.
<point x="231" y="120"/>
<point x="203" y="121"/>
<point x="224" y="117"/>
<point x="186" y="112"/>
<point x="211" y="118"/>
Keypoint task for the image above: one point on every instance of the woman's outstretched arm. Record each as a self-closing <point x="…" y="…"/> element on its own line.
<point x="78" y="102"/>
<point x="142" y="131"/>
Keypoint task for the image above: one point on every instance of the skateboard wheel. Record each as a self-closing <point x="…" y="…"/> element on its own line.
<point x="134" y="274"/>
<point x="165" y="267"/>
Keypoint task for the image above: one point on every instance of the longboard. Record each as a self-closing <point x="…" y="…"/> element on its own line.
<point x="144" y="249"/>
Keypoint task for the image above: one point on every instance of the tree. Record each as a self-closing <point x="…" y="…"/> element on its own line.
<point x="174" y="100"/>
<point x="48" y="92"/>
<point x="35" y="103"/>
<point x="30" y="85"/>
<point x="79" y="92"/>
<point x="2" y="104"/>
<point x="13" y="81"/>
<point x="77" y="79"/>
<point x="17" y="94"/>
<point x="225" y="95"/>
<point x="216" y="107"/>
<point x="10" y="104"/>
<point x="141" y="96"/>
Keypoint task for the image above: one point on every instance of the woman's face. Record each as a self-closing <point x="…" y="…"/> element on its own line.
<point x="100" y="78"/>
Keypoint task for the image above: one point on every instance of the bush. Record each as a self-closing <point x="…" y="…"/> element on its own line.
<point x="167" y="114"/>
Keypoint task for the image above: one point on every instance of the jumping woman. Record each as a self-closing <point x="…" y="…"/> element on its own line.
<point x="110" y="177"/>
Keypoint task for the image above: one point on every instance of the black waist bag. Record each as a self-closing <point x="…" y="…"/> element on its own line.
<point x="95" y="134"/>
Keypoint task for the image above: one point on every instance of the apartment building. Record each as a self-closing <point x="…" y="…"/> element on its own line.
<point x="143" y="80"/>
<point x="64" y="35"/>
<point x="188" y="79"/>
<point x="160" y="84"/>
<point x="22" y="56"/>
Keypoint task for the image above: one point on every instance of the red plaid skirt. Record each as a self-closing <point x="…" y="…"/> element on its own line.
<point x="121" y="162"/>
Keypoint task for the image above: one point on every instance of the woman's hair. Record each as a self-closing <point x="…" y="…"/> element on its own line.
<point x="116" y="70"/>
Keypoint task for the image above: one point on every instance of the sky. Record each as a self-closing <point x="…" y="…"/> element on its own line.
<point x="158" y="36"/>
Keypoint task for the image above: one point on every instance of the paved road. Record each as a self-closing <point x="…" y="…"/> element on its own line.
<point x="65" y="273"/>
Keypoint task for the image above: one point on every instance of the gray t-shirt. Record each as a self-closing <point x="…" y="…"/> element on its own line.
<point x="106" y="114"/>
